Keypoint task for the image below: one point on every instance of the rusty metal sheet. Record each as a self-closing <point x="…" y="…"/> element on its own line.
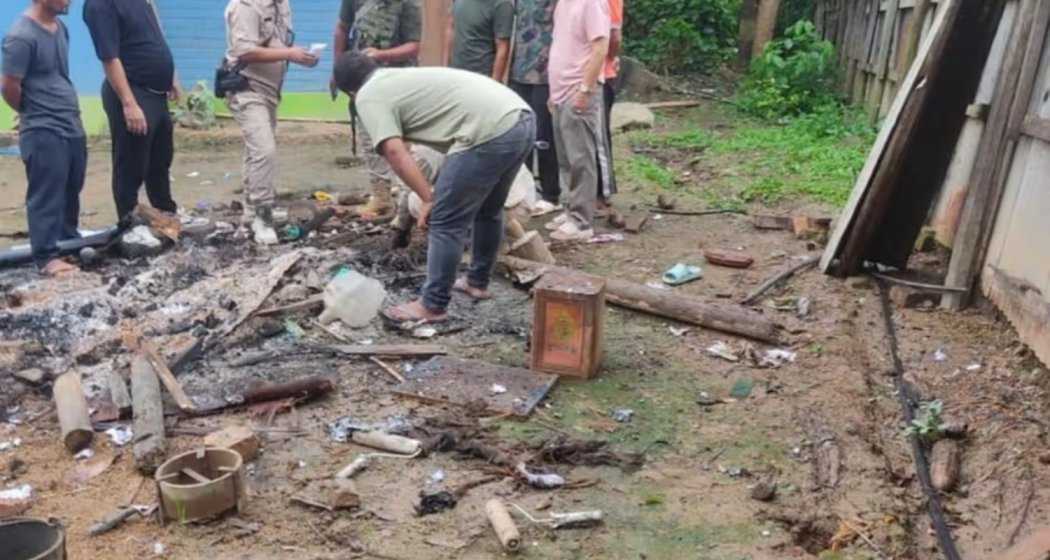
<point x="469" y="382"/>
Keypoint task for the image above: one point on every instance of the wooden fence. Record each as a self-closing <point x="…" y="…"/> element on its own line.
<point x="877" y="40"/>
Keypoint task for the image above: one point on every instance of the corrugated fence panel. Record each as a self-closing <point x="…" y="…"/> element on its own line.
<point x="196" y="32"/>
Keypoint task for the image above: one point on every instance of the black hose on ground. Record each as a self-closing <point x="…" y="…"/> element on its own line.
<point x="909" y="402"/>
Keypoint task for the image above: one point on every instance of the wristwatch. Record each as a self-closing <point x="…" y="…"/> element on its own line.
<point x="585" y="90"/>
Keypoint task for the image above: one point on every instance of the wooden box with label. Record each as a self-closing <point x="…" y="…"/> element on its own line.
<point x="568" y="327"/>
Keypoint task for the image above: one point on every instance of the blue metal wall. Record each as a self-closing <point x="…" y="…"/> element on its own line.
<point x="84" y="67"/>
<point x="197" y="35"/>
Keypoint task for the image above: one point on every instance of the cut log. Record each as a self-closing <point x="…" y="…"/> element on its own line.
<point x="503" y="524"/>
<point x="118" y="392"/>
<point x="399" y="350"/>
<point x="306" y="388"/>
<point x="671" y="305"/>
<point x="160" y="367"/>
<point x="150" y="442"/>
<point x="531" y="246"/>
<point x="161" y="223"/>
<point x="73" y="415"/>
<point x="945" y="464"/>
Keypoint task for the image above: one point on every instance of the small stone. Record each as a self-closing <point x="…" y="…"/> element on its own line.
<point x="764" y="492"/>
<point x="33" y="376"/>
<point x="859" y="282"/>
<point x="705" y="399"/>
<point x="1045" y="458"/>
<point x="237" y="438"/>
<point x="910" y="298"/>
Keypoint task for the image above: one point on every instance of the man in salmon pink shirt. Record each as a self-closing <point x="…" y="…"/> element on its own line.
<point x="577" y="61"/>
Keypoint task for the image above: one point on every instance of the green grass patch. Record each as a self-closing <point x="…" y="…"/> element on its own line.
<point x="312" y="106"/>
<point x="647" y="172"/>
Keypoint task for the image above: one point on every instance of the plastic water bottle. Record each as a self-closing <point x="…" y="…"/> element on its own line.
<point x="352" y="298"/>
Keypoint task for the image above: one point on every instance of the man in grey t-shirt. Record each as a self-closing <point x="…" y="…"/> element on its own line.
<point x="36" y="85"/>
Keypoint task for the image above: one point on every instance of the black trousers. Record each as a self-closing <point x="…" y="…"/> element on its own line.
<point x="536" y="95"/>
<point x="609" y="98"/>
<point x="55" y="169"/>
<point x="141" y="159"/>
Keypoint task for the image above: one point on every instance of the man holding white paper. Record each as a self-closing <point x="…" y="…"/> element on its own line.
<point x="260" y="43"/>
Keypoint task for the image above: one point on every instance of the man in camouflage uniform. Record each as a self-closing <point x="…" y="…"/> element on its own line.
<point x="389" y="32"/>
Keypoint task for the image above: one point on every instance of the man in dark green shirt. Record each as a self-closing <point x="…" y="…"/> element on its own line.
<point x="478" y="36"/>
<point x="388" y="32"/>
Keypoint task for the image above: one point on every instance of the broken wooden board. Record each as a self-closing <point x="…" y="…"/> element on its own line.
<point x="280" y="266"/>
<point x="500" y="389"/>
<point x="162" y="223"/>
<point x="399" y="350"/>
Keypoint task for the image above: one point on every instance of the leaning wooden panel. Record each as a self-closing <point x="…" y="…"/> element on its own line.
<point x="1025" y="307"/>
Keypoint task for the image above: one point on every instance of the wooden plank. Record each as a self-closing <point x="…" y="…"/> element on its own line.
<point x="860" y="188"/>
<point x="916" y="159"/>
<point x="1036" y="128"/>
<point x="400" y="350"/>
<point x="160" y="367"/>
<point x="918" y="23"/>
<point x="1023" y="305"/>
<point x="985" y="193"/>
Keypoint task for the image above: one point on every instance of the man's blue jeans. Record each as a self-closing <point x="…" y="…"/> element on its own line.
<point x="55" y="169"/>
<point x="471" y="192"/>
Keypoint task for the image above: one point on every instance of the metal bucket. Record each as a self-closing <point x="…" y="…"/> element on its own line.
<point x="31" y="539"/>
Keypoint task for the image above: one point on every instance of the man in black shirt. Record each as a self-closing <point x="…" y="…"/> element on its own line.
<point x="140" y="79"/>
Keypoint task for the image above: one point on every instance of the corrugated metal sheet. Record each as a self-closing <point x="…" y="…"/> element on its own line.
<point x="197" y="35"/>
<point x="84" y="67"/>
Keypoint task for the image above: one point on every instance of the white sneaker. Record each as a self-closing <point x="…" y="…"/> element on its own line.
<point x="542" y="208"/>
<point x="571" y="231"/>
<point x="557" y="222"/>
<point x="263" y="232"/>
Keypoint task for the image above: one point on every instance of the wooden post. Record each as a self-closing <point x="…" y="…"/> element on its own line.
<point x="118" y="392"/>
<point x="914" y="37"/>
<point x="748" y="17"/>
<point x="73" y="414"/>
<point x="766" y="25"/>
<point x="150" y="442"/>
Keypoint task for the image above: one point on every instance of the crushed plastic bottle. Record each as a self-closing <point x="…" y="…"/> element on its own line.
<point x="352" y="298"/>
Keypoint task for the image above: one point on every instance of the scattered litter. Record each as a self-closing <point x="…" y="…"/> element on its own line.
<point x="352" y="298"/>
<point x="705" y="399"/>
<point x="736" y="472"/>
<point x="940" y="356"/>
<point x="722" y="350"/>
<point x="678" y="331"/>
<point x="193" y="174"/>
<point x="329" y="495"/>
<point x="682" y="273"/>
<point x="359" y="464"/>
<point x="623" y="415"/>
<point x="606" y="238"/>
<point x="777" y="357"/>
<point x="84" y="454"/>
<point x="541" y="481"/>
<point x="437" y="477"/>
<point x="575" y="520"/>
<point x="497" y="389"/>
<point x="8" y="445"/>
<point x="159" y="549"/>
<point x="341" y="429"/>
<point x="424" y="332"/>
<point x="429" y="504"/>
<point x="742" y="388"/>
<point x="973" y="367"/>
<point x="656" y="286"/>
<point x="207" y="182"/>
<point x="90" y="468"/>
<point x="293" y="329"/>
<point x="804" y="306"/>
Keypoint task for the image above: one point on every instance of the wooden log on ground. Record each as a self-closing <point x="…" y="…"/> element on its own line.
<point x="671" y="305"/>
<point x="945" y="464"/>
<point x="160" y="367"/>
<point x="73" y="416"/>
<point x="118" y="392"/>
<point x="306" y="388"/>
<point x="531" y="246"/>
<point x="503" y="525"/>
<point x="151" y="445"/>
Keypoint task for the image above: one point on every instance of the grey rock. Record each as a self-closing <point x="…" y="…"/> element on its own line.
<point x="631" y="116"/>
<point x="34" y="376"/>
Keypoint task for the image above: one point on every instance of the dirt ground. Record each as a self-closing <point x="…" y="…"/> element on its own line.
<point x="825" y="430"/>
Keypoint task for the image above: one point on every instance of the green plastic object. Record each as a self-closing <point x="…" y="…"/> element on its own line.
<point x="742" y="388"/>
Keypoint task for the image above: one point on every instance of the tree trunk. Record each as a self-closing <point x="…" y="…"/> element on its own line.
<point x="748" y="17"/>
<point x="766" y="26"/>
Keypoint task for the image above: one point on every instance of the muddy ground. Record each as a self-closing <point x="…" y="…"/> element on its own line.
<point x="826" y="430"/>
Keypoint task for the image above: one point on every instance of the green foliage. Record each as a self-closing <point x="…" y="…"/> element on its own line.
<point x="795" y="74"/>
<point x="816" y="155"/>
<point x="647" y="171"/>
<point x="199" y="112"/>
<point x="681" y="35"/>
<point x="928" y="425"/>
